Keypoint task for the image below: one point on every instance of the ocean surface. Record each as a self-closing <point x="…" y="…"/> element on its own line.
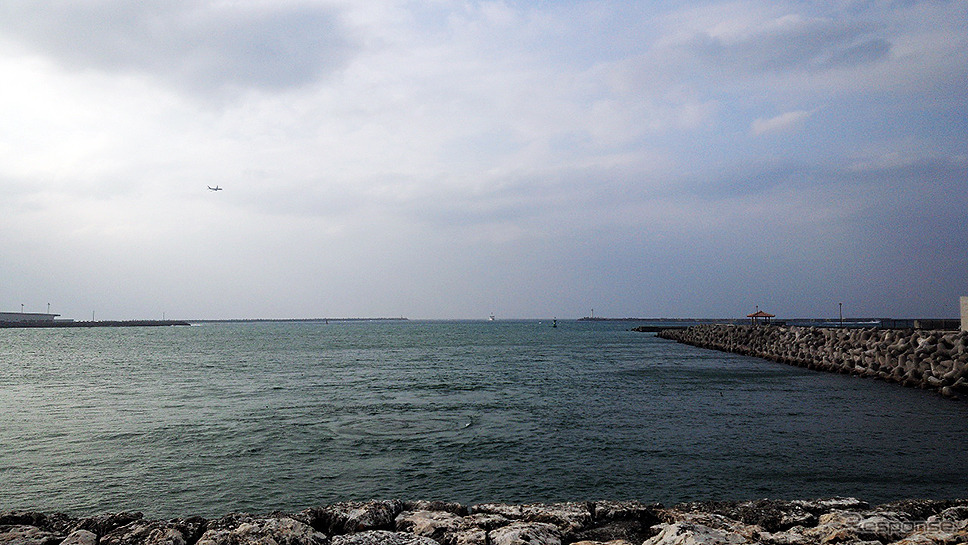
<point x="222" y="417"/>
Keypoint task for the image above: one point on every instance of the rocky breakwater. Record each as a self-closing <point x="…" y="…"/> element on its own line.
<point x="936" y="360"/>
<point x="394" y="522"/>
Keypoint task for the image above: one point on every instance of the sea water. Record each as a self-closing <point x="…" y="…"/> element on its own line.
<point x="223" y="417"/>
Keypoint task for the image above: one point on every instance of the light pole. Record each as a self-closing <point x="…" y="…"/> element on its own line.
<point x="841" y="305"/>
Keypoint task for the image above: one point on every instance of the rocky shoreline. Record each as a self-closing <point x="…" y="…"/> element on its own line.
<point x="395" y="522"/>
<point x="936" y="360"/>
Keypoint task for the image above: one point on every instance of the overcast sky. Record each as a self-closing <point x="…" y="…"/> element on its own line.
<point x="453" y="159"/>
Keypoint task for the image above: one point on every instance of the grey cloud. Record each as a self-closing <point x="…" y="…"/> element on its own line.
<point x="863" y="53"/>
<point x="810" y="44"/>
<point x="934" y="177"/>
<point x="190" y="44"/>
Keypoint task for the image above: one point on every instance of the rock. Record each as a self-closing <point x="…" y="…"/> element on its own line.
<point x="884" y="527"/>
<point x="102" y="525"/>
<point x="828" y="505"/>
<point x="922" y="359"/>
<point x="771" y="522"/>
<point x="349" y="517"/>
<point x="605" y="511"/>
<point x="26" y="535"/>
<point x="632" y="531"/>
<point x="448" y="507"/>
<point x="704" y="529"/>
<point x="57" y="523"/>
<point x="432" y="524"/>
<point x="80" y="537"/>
<point x="613" y="542"/>
<point x="570" y="517"/>
<point x="958" y="512"/>
<point x="526" y="533"/>
<point x="382" y="537"/>
<point x="851" y="526"/>
<point x="916" y="509"/>
<point x="177" y="532"/>
<point x="938" y="534"/>
<point x="620" y="521"/>
<point x="486" y="521"/>
<point x="242" y="529"/>
<point x="472" y="536"/>
<point x="771" y="515"/>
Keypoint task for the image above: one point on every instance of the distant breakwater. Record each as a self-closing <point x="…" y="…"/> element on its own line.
<point x="99" y="323"/>
<point x="936" y="360"/>
<point x="395" y="522"/>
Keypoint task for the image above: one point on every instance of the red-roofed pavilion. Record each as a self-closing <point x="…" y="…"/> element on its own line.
<point x="755" y="317"/>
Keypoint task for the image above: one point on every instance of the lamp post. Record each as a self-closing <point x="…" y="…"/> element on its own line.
<point x="841" y="305"/>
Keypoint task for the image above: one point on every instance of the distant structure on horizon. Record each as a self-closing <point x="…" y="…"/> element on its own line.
<point x="755" y="317"/>
<point x="20" y="317"/>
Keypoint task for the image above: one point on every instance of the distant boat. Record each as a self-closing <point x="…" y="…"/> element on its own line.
<point x="491" y="318"/>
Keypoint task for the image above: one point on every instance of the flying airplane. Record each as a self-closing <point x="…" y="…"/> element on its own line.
<point x="216" y="188"/>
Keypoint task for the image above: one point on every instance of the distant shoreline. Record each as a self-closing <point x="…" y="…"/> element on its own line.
<point x="298" y="320"/>
<point x="168" y="323"/>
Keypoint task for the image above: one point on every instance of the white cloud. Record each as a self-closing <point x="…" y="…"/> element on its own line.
<point x="742" y="38"/>
<point x="784" y="122"/>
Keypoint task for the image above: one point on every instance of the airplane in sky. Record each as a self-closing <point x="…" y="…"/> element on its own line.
<point x="216" y="188"/>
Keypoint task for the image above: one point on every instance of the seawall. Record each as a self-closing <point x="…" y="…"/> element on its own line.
<point x="395" y="522"/>
<point x="935" y="360"/>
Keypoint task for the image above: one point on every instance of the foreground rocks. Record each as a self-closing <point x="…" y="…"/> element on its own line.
<point x="394" y="522"/>
<point x="936" y="360"/>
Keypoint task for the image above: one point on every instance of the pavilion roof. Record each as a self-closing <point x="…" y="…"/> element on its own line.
<point x="761" y="314"/>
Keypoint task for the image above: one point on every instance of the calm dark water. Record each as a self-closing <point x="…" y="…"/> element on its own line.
<point x="257" y="417"/>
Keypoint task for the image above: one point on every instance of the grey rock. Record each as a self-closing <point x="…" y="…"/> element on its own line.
<point x="632" y="531"/>
<point x="958" y="512"/>
<point x="349" y="517"/>
<point x="569" y="517"/>
<point x="853" y="527"/>
<point x="775" y="515"/>
<point x="423" y="505"/>
<point x="241" y="529"/>
<point x="80" y="537"/>
<point x="472" y="536"/>
<point x="57" y="523"/>
<point x="485" y="521"/>
<point x="26" y="535"/>
<point x="432" y="524"/>
<point x="526" y="533"/>
<point x="382" y="537"/>
<point x="704" y="529"/>
<point x="606" y="511"/>
<point x="917" y="509"/>
<point x="176" y="532"/>
<point x="612" y="542"/>
<point x="102" y="525"/>
<point x="771" y="515"/>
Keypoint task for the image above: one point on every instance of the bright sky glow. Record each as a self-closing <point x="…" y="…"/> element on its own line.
<point x="453" y="159"/>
